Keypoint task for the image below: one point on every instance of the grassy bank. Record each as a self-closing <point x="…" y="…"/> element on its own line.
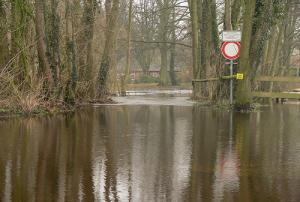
<point x="15" y="101"/>
<point x="37" y="110"/>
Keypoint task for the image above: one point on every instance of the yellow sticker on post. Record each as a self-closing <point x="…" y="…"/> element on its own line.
<point x="239" y="76"/>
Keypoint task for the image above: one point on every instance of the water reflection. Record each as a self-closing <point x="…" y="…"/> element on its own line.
<point x="152" y="153"/>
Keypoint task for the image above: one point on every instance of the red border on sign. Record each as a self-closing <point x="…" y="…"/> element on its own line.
<point x="231" y="57"/>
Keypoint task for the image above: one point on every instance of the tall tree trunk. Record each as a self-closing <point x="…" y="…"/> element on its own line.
<point x="235" y="14"/>
<point x="262" y="24"/>
<point x="4" y="51"/>
<point x="271" y="48"/>
<point x="227" y="15"/>
<point x="164" y="16"/>
<point x="70" y="87"/>
<point x="19" y="39"/>
<point x="289" y="34"/>
<point x="173" y="49"/>
<point x="163" y="79"/>
<point x="124" y="79"/>
<point x="44" y="66"/>
<point x="106" y="61"/>
<point x="87" y="42"/>
<point x="243" y="90"/>
<point x="85" y="45"/>
<point x="53" y="44"/>
<point x="172" y="61"/>
<point x="206" y="45"/>
<point x="277" y="50"/>
<point x="196" y="16"/>
<point x="89" y="18"/>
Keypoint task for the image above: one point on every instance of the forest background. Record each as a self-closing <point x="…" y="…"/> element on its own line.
<point x="58" y="53"/>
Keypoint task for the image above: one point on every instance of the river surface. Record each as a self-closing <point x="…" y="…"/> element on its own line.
<point x="152" y="148"/>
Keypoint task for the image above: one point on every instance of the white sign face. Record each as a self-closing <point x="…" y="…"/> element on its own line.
<point x="231" y="50"/>
<point x="232" y="36"/>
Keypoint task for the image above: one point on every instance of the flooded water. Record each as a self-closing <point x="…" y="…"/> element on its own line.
<point x="141" y="151"/>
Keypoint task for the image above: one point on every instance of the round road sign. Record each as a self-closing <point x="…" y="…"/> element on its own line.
<point x="231" y="50"/>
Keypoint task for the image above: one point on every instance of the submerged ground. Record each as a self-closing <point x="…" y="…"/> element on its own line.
<point x="155" y="147"/>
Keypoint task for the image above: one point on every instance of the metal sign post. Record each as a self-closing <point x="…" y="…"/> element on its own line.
<point x="231" y="82"/>
<point x="231" y="51"/>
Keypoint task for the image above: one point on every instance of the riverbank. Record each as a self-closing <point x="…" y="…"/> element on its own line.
<point x="155" y="86"/>
<point x="33" y="105"/>
<point x="137" y="94"/>
<point x="39" y="111"/>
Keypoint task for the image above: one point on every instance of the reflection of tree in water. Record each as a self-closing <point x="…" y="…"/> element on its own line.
<point x="149" y="153"/>
<point x="128" y="142"/>
<point x="205" y="135"/>
<point x="69" y="159"/>
<point x="165" y="157"/>
<point x="50" y="161"/>
<point x="46" y="176"/>
<point x="107" y="120"/>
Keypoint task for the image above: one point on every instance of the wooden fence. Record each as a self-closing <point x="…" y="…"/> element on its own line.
<point x="279" y="95"/>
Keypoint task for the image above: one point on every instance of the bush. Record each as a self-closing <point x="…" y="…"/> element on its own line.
<point x="22" y="98"/>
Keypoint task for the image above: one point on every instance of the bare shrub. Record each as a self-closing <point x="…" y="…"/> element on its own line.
<point x="19" y="97"/>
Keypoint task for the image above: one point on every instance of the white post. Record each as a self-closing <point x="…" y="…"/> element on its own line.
<point x="231" y="82"/>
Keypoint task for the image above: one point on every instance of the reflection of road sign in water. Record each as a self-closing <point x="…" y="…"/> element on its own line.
<point x="231" y="50"/>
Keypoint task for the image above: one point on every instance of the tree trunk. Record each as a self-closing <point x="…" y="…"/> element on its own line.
<point x="19" y="39"/>
<point x="44" y="66"/>
<point x="243" y="90"/>
<point x="235" y="14"/>
<point x="89" y="18"/>
<point x="278" y="45"/>
<point x="227" y="15"/>
<point x="163" y="65"/>
<point x="70" y="87"/>
<point x="172" y="62"/>
<point x="262" y="24"/>
<point x="128" y="54"/>
<point x="289" y="34"/>
<point x="4" y="51"/>
<point x="106" y="61"/>
<point x="195" y="10"/>
<point x="53" y="44"/>
<point x="173" y="50"/>
<point x="195" y="31"/>
<point x="271" y="48"/>
<point x="85" y="44"/>
<point x="164" y="16"/>
<point x="206" y="45"/>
